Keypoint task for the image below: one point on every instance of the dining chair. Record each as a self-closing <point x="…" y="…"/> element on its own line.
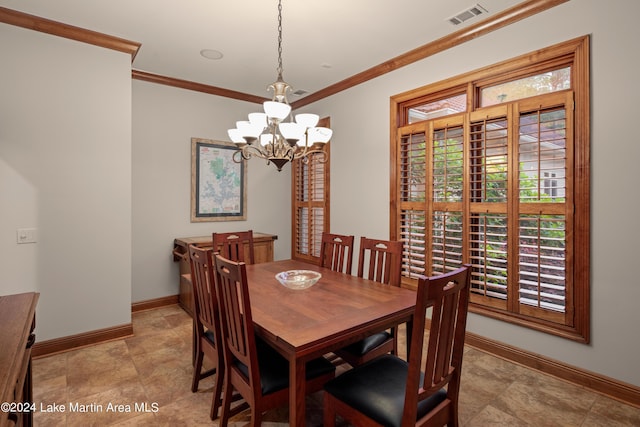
<point x="390" y="391"/>
<point x="206" y="319"/>
<point x="380" y="261"/>
<point x="252" y="367"/>
<point x="232" y="245"/>
<point x="336" y="252"/>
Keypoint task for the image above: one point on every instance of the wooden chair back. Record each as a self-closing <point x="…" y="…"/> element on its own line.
<point x="206" y="305"/>
<point x="336" y="252"/>
<point x="448" y="295"/>
<point x="206" y="324"/>
<point x="232" y="245"/>
<point x="380" y="260"/>
<point x="256" y="370"/>
<point x="237" y="322"/>
<point x="430" y="380"/>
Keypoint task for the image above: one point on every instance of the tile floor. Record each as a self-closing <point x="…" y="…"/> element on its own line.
<point x="146" y="379"/>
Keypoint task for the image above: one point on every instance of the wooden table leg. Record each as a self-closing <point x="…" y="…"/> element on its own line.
<point x="409" y="332"/>
<point x="297" y="392"/>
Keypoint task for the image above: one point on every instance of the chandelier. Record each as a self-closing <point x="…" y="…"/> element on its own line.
<point x="274" y="135"/>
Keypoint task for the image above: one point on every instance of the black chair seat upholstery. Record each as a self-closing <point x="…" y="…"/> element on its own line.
<point x="210" y="336"/>
<point x="369" y="343"/>
<point x="274" y="368"/>
<point x="377" y="389"/>
<point x="391" y="392"/>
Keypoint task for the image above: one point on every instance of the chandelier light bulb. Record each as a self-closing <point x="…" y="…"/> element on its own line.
<point x="248" y="130"/>
<point x="265" y="139"/>
<point x="236" y="137"/>
<point x="320" y="134"/>
<point x="307" y="120"/>
<point x="292" y="132"/>
<point x="258" y="119"/>
<point x="276" y="110"/>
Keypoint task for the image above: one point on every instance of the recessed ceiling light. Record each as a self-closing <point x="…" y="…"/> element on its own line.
<point x="211" y="54"/>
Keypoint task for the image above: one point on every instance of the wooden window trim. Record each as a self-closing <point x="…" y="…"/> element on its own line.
<point x="576" y="53"/>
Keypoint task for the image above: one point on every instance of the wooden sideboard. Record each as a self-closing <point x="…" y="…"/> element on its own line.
<point x="17" y="317"/>
<point x="262" y="251"/>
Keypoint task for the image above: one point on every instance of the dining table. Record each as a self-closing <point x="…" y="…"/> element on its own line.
<point x="303" y="324"/>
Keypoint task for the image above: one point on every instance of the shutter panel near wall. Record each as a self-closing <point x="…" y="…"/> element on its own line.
<point x="310" y="207"/>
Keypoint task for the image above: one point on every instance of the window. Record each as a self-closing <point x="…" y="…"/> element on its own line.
<point x="550" y="184"/>
<point x="310" y="203"/>
<point x="501" y="182"/>
<point x="550" y="81"/>
<point x="438" y="108"/>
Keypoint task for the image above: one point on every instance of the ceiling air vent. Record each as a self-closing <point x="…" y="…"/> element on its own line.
<point x="465" y="15"/>
<point x="300" y="92"/>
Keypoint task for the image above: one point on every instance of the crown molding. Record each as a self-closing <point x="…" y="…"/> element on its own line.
<point x="499" y="20"/>
<point x="36" y="23"/>
<point x="199" y="87"/>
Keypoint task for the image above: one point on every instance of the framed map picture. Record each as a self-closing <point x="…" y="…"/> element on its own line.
<point x="218" y="184"/>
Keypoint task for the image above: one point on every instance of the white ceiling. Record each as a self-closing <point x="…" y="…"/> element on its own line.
<point x="324" y="41"/>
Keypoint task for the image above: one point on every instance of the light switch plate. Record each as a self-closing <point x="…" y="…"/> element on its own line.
<point x="27" y="235"/>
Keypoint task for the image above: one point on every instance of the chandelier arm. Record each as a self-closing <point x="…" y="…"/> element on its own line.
<point x="307" y="155"/>
<point x="249" y="151"/>
<point x="291" y="153"/>
<point x="238" y="157"/>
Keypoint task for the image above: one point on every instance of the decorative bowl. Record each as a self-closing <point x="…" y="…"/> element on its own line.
<point x="298" y="279"/>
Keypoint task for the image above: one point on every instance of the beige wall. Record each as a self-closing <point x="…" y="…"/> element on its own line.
<point x="65" y="169"/>
<point x="164" y="120"/>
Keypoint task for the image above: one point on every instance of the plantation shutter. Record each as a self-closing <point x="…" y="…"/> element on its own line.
<point x="491" y="169"/>
<point x="471" y="186"/>
<point x="310" y="204"/>
<point x="518" y="161"/>
<point x="488" y="208"/>
<point x="412" y="191"/>
<point x="545" y="208"/>
<point x="446" y="178"/>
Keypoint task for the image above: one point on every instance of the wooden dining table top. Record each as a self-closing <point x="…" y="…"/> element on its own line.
<point x="307" y="323"/>
<point x="337" y="310"/>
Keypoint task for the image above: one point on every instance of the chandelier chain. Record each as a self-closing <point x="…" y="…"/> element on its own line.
<point x="279" y="69"/>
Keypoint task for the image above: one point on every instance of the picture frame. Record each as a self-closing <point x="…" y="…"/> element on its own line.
<point x="218" y="183"/>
